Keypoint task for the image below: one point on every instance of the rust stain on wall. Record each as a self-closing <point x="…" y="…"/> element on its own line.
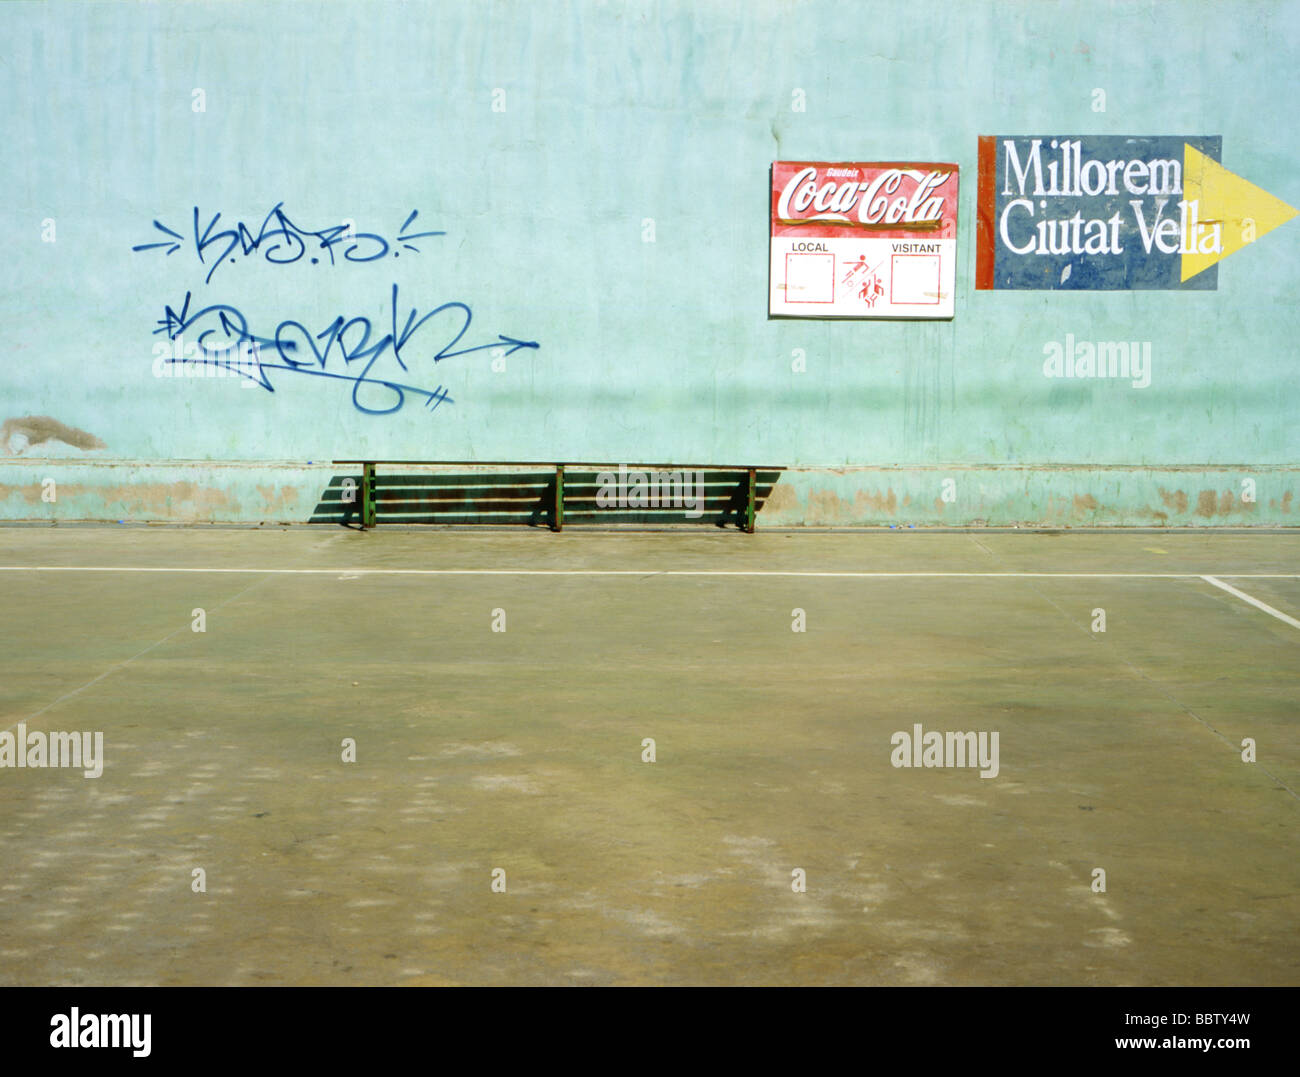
<point x="38" y="429"/>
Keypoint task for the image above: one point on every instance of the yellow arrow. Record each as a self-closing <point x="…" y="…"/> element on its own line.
<point x="1242" y="211"/>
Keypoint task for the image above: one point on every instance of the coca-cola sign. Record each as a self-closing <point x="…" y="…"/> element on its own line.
<point x="863" y="240"/>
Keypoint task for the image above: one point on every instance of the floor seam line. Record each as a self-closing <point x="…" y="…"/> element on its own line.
<point x="126" y="661"/>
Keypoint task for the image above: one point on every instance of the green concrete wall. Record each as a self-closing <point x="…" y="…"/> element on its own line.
<point x="600" y="172"/>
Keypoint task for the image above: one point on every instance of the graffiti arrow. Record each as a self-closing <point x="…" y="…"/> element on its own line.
<point x="501" y="341"/>
<point x="168" y="243"/>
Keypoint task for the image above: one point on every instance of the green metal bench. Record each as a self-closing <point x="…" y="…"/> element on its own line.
<point x="531" y="493"/>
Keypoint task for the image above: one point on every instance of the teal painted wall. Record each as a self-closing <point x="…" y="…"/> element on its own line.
<point x="648" y="351"/>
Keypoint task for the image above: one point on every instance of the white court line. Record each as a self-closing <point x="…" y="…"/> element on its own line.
<point x="662" y="572"/>
<point x="1253" y="601"/>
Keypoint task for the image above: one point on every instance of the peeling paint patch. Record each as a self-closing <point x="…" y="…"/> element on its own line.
<point x="30" y="493"/>
<point x="1176" y="500"/>
<point x="1084" y="503"/>
<point x="185" y="502"/>
<point x="825" y="506"/>
<point x="783" y="496"/>
<point x="164" y="500"/>
<point x="1205" y="503"/>
<point x="876" y="502"/>
<point x="16" y="435"/>
<point x="286" y="502"/>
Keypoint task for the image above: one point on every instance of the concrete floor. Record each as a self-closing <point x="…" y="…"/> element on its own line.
<point x="522" y="750"/>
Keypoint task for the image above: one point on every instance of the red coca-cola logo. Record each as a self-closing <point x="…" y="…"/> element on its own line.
<point x="879" y="198"/>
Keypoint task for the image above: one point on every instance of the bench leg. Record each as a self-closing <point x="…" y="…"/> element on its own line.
<point x="559" y="498"/>
<point x="367" y="496"/>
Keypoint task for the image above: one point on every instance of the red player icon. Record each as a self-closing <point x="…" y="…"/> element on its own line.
<point x="872" y="289"/>
<point x="861" y="263"/>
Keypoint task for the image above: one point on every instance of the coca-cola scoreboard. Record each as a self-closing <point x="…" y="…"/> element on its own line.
<point x="863" y="240"/>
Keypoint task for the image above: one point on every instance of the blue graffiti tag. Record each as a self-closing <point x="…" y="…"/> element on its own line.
<point x="223" y="329"/>
<point x="282" y="242"/>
